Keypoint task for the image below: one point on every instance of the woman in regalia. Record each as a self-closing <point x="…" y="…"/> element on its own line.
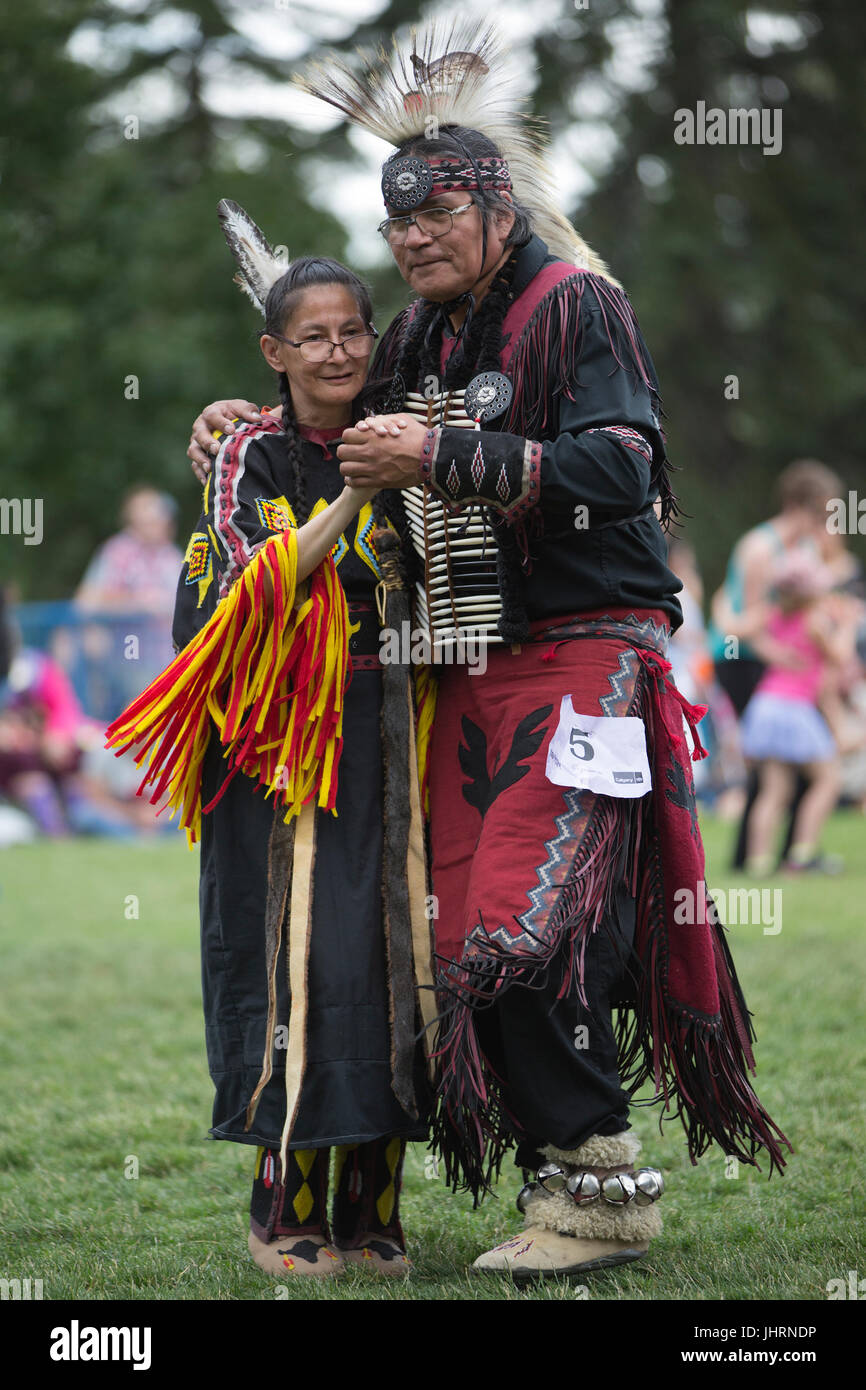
<point x="271" y="720"/>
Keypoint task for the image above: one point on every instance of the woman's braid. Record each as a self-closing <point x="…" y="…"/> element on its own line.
<point x="293" y="451"/>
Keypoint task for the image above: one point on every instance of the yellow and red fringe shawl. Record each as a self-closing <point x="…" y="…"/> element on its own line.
<point x="273" y="683"/>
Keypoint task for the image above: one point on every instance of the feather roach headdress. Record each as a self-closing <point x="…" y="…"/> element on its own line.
<point x="259" y="266"/>
<point x="453" y="76"/>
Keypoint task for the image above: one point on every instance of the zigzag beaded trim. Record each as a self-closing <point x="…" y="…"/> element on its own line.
<point x="629" y="438"/>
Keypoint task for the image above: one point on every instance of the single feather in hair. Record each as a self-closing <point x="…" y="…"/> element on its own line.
<point x="259" y="267"/>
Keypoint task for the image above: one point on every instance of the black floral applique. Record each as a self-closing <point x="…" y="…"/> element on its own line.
<point x="482" y="789"/>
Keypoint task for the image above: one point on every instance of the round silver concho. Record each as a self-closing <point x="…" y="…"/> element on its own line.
<point x="487" y="396"/>
<point x="406" y="183"/>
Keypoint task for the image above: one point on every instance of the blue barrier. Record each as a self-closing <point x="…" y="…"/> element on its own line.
<point x="108" y="657"/>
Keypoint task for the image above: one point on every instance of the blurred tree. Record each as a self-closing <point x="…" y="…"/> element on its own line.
<point x="119" y="315"/>
<point x="748" y="269"/>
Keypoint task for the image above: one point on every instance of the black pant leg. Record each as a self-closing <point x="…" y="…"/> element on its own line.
<point x="558" y="1057"/>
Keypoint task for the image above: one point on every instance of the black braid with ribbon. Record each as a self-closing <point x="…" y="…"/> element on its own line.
<point x="293" y="451"/>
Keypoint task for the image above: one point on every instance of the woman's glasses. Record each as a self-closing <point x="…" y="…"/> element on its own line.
<point x="320" y="349"/>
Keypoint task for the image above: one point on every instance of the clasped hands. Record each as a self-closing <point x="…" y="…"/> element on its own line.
<point x="382" y="451"/>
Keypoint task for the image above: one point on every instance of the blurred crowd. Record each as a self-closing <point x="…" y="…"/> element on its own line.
<point x="65" y="673"/>
<point x="781" y="664"/>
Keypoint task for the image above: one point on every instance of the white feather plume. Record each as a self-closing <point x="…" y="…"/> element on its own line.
<point x="259" y="267"/>
<point x="454" y="74"/>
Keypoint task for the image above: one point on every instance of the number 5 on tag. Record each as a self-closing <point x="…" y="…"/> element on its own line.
<point x="598" y="753"/>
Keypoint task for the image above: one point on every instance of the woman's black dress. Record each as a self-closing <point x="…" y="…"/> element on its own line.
<point x="346" y="1095"/>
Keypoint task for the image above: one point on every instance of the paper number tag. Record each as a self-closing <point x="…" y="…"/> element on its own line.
<point x="598" y="753"/>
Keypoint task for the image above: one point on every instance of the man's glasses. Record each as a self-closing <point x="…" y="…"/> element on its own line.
<point x="320" y="349"/>
<point x="432" y="222"/>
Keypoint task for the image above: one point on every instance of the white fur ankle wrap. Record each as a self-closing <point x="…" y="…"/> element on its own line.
<point x="599" y="1220"/>
<point x="601" y="1151"/>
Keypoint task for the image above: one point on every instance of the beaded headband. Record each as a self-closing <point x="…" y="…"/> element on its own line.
<point x="408" y="181"/>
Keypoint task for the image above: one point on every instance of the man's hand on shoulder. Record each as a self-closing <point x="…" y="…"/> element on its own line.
<point x="219" y="415"/>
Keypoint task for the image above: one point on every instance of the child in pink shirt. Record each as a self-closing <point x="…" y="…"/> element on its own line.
<point x="783" y="730"/>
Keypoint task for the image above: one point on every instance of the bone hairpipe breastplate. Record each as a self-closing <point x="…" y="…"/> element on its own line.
<point x="460" y="590"/>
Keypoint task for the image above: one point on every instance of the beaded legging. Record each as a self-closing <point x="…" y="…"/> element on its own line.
<point x="366" y="1192"/>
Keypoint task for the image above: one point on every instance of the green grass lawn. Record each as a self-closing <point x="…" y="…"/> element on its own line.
<point x="103" y="1058"/>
